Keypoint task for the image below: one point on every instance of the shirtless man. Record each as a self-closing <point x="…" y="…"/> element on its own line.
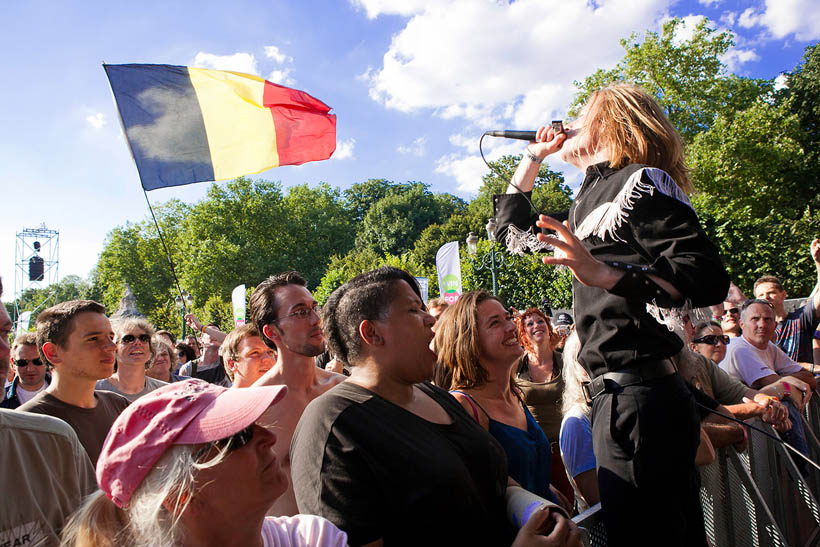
<point x="286" y="314"/>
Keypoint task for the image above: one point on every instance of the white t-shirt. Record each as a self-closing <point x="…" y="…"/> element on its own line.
<point x="748" y="363"/>
<point x="301" y="531"/>
<point x="25" y="395"/>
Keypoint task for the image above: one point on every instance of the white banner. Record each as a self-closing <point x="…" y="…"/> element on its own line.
<point x="23" y="322"/>
<point x="449" y="272"/>
<point x="238" y="299"/>
<point x="424" y="286"/>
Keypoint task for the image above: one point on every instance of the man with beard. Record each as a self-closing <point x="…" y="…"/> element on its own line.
<point x="284" y="311"/>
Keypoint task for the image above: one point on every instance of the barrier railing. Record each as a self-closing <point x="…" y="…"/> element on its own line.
<point x="757" y="498"/>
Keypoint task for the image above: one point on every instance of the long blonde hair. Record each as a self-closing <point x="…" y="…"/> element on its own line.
<point x="632" y="128"/>
<point x="574" y="375"/>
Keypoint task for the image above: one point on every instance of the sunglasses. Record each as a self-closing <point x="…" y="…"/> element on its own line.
<point x="26" y="362"/>
<point x="234" y="442"/>
<point x="731" y="311"/>
<point x="181" y="354"/>
<point x="128" y="338"/>
<point x="712" y="339"/>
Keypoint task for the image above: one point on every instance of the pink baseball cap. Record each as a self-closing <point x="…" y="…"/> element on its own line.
<point x="188" y="412"/>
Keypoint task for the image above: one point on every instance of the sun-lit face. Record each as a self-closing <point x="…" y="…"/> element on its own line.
<point x="298" y="328"/>
<point x="5" y="349"/>
<point x="731" y="318"/>
<point x="133" y="347"/>
<point x="770" y="293"/>
<point x="255" y="359"/>
<point x="714" y="351"/>
<point x="31" y="375"/>
<point x="578" y="148"/>
<point x="407" y="331"/>
<point x="758" y="325"/>
<point x="497" y="335"/>
<point x="89" y="351"/>
<point x="250" y="477"/>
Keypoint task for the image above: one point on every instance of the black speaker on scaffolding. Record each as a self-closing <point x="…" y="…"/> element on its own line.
<point x="36" y="268"/>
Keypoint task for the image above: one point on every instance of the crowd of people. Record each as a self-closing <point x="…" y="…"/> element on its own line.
<point x="379" y="419"/>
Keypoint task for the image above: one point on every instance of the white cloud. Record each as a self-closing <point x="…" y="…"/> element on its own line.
<point x="781" y="82"/>
<point x="729" y="18"/>
<point x="708" y="3"/>
<point x="238" y="62"/>
<point x="374" y="8"/>
<point x="97" y="121"/>
<point x="798" y="17"/>
<point x="466" y="170"/>
<point x="736" y="57"/>
<point x="453" y="58"/>
<point x="416" y="148"/>
<point x="272" y="52"/>
<point x="748" y="18"/>
<point x="450" y="56"/>
<point x="344" y="149"/>
<point x="281" y="77"/>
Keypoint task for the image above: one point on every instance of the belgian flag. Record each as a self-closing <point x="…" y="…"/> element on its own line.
<point x="187" y="124"/>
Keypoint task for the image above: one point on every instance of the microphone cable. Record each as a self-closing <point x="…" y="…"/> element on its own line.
<point x="766" y="433"/>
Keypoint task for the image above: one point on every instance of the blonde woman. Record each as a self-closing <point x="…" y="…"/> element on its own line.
<point x="636" y="250"/>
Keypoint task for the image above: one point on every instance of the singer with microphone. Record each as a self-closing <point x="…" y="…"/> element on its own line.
<point x="638" y="256"/>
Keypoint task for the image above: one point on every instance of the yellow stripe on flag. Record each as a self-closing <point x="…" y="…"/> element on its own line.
<point x="240" y="130"/>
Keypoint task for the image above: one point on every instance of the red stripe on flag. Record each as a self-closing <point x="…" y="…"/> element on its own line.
<point x="304" y="129"/>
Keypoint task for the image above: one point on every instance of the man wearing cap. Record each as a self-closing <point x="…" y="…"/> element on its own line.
<point x="284" y="311"/>
<point x="75" y="337"/>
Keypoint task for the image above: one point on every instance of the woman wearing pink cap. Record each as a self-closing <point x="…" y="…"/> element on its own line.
<point x="192" y="463"/>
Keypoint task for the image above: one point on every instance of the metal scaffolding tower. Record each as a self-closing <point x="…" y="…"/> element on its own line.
<point x="36" y="259"/>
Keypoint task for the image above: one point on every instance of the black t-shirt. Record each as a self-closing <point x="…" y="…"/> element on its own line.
<point x="378" y="471"/>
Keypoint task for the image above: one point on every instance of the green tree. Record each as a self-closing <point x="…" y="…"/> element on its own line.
<point x="550" y="194"/>
<point x="523" y="281"/>
<point x="344" y="268"/>
<point x="687" y="77"/>
<point x="393" y="223"/>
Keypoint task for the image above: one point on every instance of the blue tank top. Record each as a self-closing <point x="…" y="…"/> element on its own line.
<point x="528" y="452"/>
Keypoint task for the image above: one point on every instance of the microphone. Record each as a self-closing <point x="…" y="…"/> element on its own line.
<point x="520" y="135"/>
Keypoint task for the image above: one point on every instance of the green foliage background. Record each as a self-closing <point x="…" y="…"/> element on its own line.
<point x="753" y="150"/>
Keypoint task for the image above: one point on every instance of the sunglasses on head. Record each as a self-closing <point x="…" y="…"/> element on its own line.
<point x="234" y="442"/>
<point x="712" y="339"/>
<point x="128" y="338"/>
<point x="26" y="362"/>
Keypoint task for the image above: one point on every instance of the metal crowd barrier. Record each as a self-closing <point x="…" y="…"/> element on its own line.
<point x="755" y="498"/>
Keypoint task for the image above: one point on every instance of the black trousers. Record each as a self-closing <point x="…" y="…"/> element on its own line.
<point x="645" y="439"/>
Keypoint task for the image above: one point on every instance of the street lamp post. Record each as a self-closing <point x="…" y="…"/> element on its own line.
<point x="183" y="303"/>
<point x="472" y="249"/>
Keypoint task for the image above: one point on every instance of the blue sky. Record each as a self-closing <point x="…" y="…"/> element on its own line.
<point x="414" y="83"/>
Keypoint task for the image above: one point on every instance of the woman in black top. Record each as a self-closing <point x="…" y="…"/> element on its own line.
<point x="638" y="254"/>
<point x="388" y="457"/>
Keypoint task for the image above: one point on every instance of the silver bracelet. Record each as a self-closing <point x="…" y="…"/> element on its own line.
<point x="533" y="157"/>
